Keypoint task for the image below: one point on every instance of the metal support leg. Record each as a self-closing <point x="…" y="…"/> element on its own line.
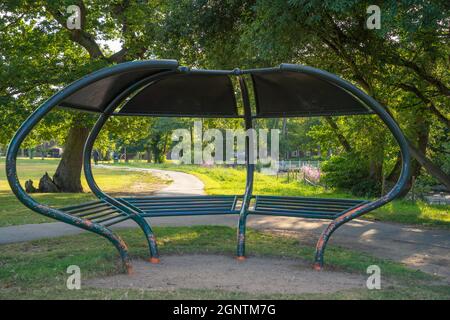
<point x="241" y="236"/>
<point x="321" y="245"/>
<point x="150" y="236"/>
<point x="122" y="248"/>
<point x="326" y="234"/>
<point x="250" y="173"/>
<point x="124" y="206"/>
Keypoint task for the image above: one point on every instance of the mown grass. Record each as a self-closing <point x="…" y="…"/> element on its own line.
<point x="37" y="269"/>
<point x="220" y="180"/>
<point x="217" y="180"/>
<point x="12" y="212"/>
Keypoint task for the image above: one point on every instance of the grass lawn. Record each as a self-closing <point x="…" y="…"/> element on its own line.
<point x="37" y="269"/>
<point x="232" y="181"/>
<point x="12" y="212"/>
<point x="217" y="181"/>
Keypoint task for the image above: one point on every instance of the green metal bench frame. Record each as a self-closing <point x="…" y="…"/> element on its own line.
<point x="98" y="216"/>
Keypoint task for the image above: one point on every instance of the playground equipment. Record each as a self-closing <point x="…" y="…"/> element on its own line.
<point x="161" y="88"/>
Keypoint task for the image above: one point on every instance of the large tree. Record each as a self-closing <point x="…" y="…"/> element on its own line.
<point x="41" y="53"/>
<point x="404" y="64"/>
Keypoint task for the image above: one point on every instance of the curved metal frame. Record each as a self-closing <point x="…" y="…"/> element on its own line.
<point x="240" y="254"/>
<point x="135" y="213"/>
<point x="399" y="137"/>
<point x="33" y="120"/>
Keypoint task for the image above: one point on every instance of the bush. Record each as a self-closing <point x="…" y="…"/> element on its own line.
<point x="350" y="172"/>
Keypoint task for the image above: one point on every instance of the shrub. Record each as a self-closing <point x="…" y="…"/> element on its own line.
<point x="350" y="172"/>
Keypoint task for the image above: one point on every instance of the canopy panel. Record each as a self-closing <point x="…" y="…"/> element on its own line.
<point x="296" y="94"/>
<point x="286" y="91"/>
<point x="185" y="94"/>
<point x="96" y="96"/>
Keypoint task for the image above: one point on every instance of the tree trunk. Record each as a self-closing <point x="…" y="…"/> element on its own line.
<point x="395" y="172"/>
<point x="421" y="160"/>
<point x="428" y="102"/>
<point x="107" y="156"/>
<point x="68" y="174"/>
<point x="344" y="142"/>
<point x="422" y="142"/>
<point x="155" y="151"/>
<point x="431" y="168"/>
<point x="149" y="154"/>
<point x="422" y="128"/>
<point x="166" y="143"/>
<point x="125" y="154"/>
<point x="376" y="170"/>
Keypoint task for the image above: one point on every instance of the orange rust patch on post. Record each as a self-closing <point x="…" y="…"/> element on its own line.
<point x="352" y="211"/>
<point x="154" y="260"/>
<point x="320" y="243"/>
<point x="88" y="223"/>
<point x="123" y="244"/>
<point x="317" y="267"/>
<point x="129" y="268"/>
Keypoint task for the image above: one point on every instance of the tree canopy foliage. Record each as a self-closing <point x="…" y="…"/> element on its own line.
<point x="404" y="65"/>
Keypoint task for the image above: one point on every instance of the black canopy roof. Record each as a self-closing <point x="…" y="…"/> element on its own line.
<point x="164" y="89"/>
<point x="289" y="94"/>
<point x="185" y="94"/>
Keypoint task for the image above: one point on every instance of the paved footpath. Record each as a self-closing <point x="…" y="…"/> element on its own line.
<point x="427" y="250"/>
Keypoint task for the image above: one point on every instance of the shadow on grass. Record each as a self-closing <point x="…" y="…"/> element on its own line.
<point x="37" y="268"/>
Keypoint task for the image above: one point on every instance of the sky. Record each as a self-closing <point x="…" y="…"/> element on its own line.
<point x="114" y="45"/>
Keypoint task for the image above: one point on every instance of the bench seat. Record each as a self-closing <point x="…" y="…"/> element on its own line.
<point x="98" y="211"/>
<point x="106" y="214"/>
<point x="303" y="207"/>
<point x="184" y="205"/>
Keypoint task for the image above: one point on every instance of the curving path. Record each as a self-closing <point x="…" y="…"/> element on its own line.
<point x="181" y="183"/>
<point x="427" y="250"/>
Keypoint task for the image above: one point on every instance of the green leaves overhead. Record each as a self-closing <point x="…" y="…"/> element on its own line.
<point x="404" y="64"/>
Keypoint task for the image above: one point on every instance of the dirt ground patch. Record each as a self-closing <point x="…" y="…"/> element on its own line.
<point x="140" y="189"/>
<point x="255" y="275"/>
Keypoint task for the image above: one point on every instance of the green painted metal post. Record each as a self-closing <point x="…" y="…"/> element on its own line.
<point x="250" y="173"/>
<point x="135" y="213"/>
<point x="398" y="135"/>
<point x="33" y="120"/>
